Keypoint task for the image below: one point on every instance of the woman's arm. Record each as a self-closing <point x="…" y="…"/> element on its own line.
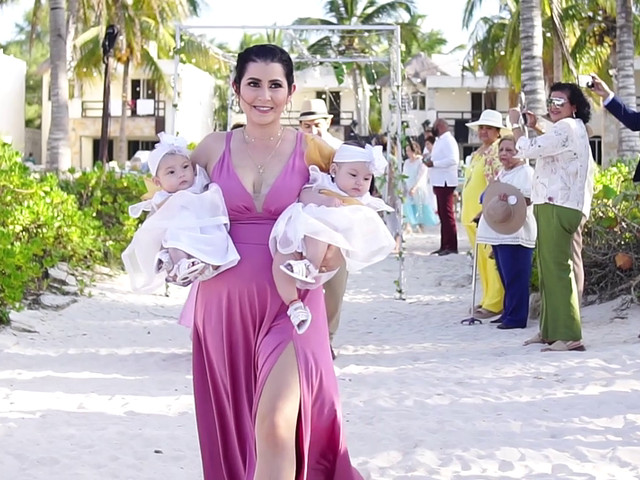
<point x="550" y="143"/>
<point x="209" y="150"/>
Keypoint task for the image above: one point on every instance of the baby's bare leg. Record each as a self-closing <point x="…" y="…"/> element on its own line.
<point x="285" y="284"/>
<point x="176" y="255"/>
<point x="315" y="251"/>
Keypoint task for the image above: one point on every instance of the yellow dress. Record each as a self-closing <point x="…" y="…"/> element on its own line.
<point x="483" y="166"/>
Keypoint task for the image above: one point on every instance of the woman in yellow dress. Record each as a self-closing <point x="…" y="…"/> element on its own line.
<point x="483" y="168"/>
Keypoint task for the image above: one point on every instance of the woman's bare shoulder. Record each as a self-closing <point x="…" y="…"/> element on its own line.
<point x="209" y="150"/>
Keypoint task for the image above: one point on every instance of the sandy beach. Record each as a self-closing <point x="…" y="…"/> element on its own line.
<point x="102" y="389"/>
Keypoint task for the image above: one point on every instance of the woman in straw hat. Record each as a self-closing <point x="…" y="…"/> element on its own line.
<point x="484" y="166"/>
<point x="561" y="194"/>
<point x="508" y="225"/>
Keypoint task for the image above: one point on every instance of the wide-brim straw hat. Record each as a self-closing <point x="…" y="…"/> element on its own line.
<point x="313" y="109"/>
<point x="505" y="217"/>
<point x="490" y="118"/>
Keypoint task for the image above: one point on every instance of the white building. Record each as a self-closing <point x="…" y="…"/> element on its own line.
<point x="149" y="111"/>
<point x="12" y="99"/>
<point x="430" y="93"/>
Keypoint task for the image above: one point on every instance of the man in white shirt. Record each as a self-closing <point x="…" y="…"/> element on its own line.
<point x="443" y="173"/>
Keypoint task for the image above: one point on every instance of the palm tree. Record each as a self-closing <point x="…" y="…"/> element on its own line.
<point x="347" y="43"/>
<point x="531" y="44"/>
<point x="58" y="149"/>
<point x="628" y="144"/>
<point x="145" y="24"/>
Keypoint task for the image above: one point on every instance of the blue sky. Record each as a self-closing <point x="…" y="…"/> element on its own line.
<point x="283" y="12"/>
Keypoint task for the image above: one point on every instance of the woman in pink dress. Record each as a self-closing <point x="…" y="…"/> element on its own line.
<point x="266" y="398"/>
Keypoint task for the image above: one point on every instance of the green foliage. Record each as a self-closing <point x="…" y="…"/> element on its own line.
<point x="105" y="196"/>
<point x="40" y="225"/>
<point x="45" y="220"/>
<point x="613" y="228"/>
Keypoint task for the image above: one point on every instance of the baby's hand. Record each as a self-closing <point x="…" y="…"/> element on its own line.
<point x="333" y="202"/>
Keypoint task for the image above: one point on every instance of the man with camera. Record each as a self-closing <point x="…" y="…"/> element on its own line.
<point x="629" y="118"/>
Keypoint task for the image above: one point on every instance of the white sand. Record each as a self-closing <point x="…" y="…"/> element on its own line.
<point x="103" y="389"/>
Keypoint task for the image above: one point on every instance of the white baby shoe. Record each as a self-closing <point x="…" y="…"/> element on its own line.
<point x="302" y="270"/>
<point x="300" y="316"/>
<point x="163" y="262"/>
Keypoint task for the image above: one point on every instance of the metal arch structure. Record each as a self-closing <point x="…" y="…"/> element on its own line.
<point x="395" y="102"/>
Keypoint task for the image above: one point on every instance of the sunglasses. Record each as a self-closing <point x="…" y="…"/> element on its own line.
<point x="556" y="102"/>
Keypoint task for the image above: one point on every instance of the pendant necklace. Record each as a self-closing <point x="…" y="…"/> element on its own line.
<point x="257" y="187"/>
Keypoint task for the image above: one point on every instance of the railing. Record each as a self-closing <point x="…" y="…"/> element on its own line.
<point x="345" y="119"/>
<point x="136" y="108"/>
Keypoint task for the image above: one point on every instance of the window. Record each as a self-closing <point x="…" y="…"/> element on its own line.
<point x="143" y="89"/>
<point x="96" y="150"/>
<point x="418" y="101"/>
<point x="596" y="148"/>
<point x="134" y="145"/>
<point x="481" y="101"/>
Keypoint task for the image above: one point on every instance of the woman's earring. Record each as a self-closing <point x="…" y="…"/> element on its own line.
<point x="574" y="114"/>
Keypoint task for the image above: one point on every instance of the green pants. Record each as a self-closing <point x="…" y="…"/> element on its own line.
<point x="560" y="311"/>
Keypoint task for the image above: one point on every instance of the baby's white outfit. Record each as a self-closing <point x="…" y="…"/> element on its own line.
<point x="193" y="220"/>
<point x="357" y="230"/>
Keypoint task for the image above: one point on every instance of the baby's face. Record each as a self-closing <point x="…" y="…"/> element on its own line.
<point x="353" y="178"/>
<point x="175" y="173"/>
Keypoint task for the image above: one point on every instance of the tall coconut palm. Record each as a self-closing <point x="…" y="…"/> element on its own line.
<point x="628" y="144"/>
<point x="531" y="44"/>
<point x="355" y="43"/>
<point x="58" y="149"/>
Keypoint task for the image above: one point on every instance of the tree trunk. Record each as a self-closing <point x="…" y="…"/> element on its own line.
<point x="362" y="117"/>
<point x="72" y="24"/>
<point x="122" y="145"/>
<point x="58" y="151"/>
<point x="628" y="143"/>
<point x="532" y="70"/>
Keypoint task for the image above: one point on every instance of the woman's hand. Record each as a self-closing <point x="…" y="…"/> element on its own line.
<point x="412" y="191"/>
<point x="514" y="115"/>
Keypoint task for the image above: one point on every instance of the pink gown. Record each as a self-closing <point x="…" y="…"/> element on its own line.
<point x="241" y="328"/>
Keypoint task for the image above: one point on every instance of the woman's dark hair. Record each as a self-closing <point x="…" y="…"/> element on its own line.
<point x="576" y="98"/>
<point x="265" y="53"/>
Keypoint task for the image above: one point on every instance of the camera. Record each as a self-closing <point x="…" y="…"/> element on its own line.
<point x="585" y="81"/>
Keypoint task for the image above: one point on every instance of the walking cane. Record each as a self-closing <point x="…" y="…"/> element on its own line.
<point x="473" y="320"/>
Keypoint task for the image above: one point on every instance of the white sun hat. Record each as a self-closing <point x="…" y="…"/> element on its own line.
<point x="490" y="118"/>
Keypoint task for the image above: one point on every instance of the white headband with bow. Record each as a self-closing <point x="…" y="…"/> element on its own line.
<point x="167" y="144"/>
<point x="372" y="156"/>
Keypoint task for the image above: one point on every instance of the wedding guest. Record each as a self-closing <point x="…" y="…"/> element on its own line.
<point x="266" y="397"/>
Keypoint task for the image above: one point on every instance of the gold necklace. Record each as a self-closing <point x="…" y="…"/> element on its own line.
<point x="257" y="187"/>
<point x="249" y="139"/>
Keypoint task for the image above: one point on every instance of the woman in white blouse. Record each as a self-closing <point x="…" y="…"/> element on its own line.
<point x="561" y="194"/>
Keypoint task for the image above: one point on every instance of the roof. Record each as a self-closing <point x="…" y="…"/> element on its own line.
<point x="416" y="69"/>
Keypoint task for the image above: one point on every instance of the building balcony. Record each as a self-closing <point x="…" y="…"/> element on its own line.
<point x="135" y="108"/>
<point x="344" y="118"/>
